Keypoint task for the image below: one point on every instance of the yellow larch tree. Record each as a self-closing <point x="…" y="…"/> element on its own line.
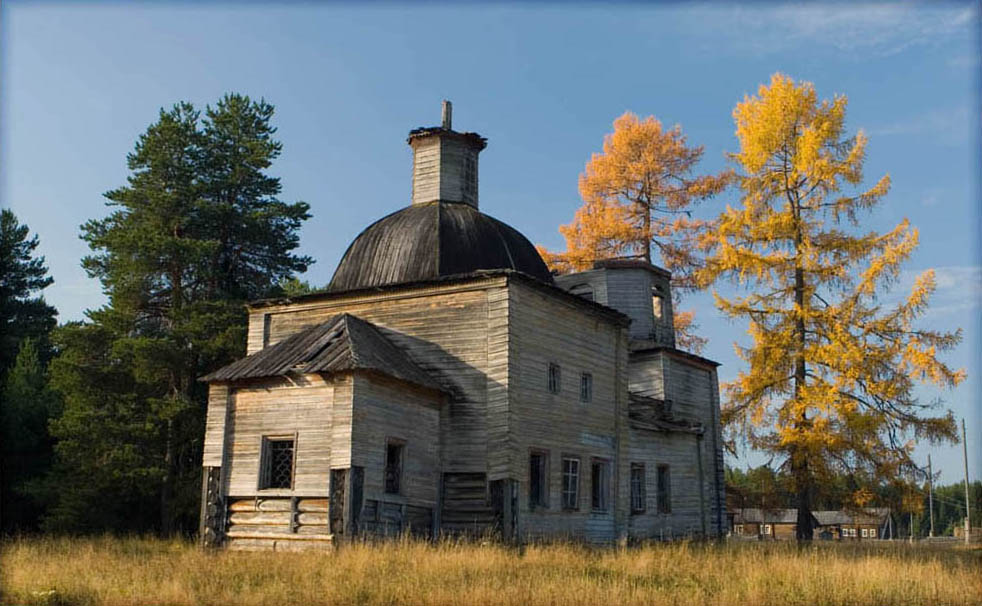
<point x="637" y="195"/>
<point x="832" y="365"/>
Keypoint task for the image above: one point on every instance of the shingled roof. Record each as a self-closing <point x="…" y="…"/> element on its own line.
<point x="343" y="343"/>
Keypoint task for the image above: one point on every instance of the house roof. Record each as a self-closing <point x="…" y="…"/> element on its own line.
<point x="766" y="516"/>
<point x="342" y="343"/>
<point x="871" y="515"/>
<point x="427" y="241"/>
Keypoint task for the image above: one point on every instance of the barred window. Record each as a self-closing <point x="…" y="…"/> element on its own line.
<point x="665" y="490"/>
<point x="586" y="387"/>
<point x="555" y="378"/>
<point x="277" y="463"/>
<point x="571" y="483"/>
<point x="638" y="496"/>
<point x="600" y="484"/>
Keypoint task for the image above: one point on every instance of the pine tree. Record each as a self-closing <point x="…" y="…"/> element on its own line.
<point x="27" y="404"/>
<point x="196" y="232"/>
<point x="832" y="367"/>
<point x="23" y="311"/>
<point x="638" y="194"/>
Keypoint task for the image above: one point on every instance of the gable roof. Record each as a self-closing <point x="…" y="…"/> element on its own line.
<point x="342" y="343"/>
<point x="767" y="516"/>
<point x="870" y="515"/>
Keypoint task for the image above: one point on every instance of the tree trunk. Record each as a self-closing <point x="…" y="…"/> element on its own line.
<point x="166" y="526"/>
<point x="799" y="461"/>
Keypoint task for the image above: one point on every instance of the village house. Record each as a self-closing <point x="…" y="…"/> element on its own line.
<point x="782" y="524"/>
<point x="447" y="382"/>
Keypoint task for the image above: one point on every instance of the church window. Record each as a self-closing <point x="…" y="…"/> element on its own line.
<point x="276" y="468"/>
<point x="538" y="479"/>
<point x="555" y="378"/>
<point x="658" y="303"/>
<point x="586" y="387"/>
<point x="600" y="484"/>
<point x="571" y="483"/>
<point x="394" y="452"/>
<point x="638" y="497"/>
<point x="664" y="489"/>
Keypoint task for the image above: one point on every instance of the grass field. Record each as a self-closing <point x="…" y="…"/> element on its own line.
<point x="153" y="571"/>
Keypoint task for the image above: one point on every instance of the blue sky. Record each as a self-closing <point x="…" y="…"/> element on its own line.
<point x="543" y="82"/>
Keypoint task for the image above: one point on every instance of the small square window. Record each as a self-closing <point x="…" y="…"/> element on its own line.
<point x="638" y="496"/>
<point x="538" y="480"/>
<point x="571" y="483"/>
<point x="555" y="378"/>
<point x="394" y="451"/>
<point x="277" y="463"/>
<point x="600" y="484"/>
<point x="767" y="529"/>
<point x="586" y="387"/>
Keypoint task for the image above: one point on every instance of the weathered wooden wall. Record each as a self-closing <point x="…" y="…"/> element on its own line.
<point x="383" y="410"/>
<point x="444" y="328"/>
<point x="544" y="330"/>
<point x="304" y="408"/>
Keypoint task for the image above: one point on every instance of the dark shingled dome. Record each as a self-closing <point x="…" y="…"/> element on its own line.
<point x="429" y="241"/>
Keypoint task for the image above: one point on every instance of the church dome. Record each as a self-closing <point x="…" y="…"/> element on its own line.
<point x="431" y="240"/>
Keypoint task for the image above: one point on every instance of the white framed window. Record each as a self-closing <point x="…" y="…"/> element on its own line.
<point x="767" y="529"/>
<point x="600" y="485"/>
<point x="865" y="533"/>
<point x="872" y="533"/>
<point x="571" y="483"/>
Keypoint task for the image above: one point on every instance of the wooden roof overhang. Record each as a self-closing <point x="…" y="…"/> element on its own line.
<point x="642" y="348"/>
<point x="342" y="344"/>
<point x="652" y="414"/>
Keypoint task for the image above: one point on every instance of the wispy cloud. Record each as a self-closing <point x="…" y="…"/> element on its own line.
<point x="877" y="29"/>
<point x="950" y="125"/>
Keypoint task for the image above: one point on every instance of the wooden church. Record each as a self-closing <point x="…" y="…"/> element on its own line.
<point x="447" y="383"/>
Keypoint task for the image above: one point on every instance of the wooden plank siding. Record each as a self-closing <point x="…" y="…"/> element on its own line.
<point x="304" y="408"/>
<point x="443" y="328"/>
<point x="544" y="330"/>
<point x="383" y="410"/>
<point x="215" y="425"/>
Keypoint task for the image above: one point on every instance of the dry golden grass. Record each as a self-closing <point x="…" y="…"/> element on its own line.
<point x="118" y="571"/>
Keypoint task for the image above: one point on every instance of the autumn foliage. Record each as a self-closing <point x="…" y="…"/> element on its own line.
<point x="637" y="195"/>
<point x="832" y="366"/>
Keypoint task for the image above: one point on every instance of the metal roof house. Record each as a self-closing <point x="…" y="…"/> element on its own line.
<point x="446" y="382"/>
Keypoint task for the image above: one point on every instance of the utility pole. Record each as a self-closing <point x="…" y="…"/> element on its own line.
<point x="930" y="494"/>
<point x="968" y="503"/>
